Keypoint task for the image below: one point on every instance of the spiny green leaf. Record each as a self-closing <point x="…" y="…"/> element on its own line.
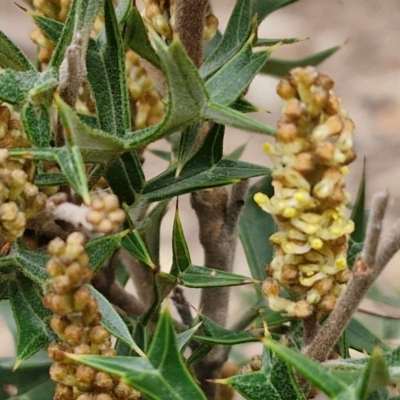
<point x="11" y="56"/>
<point x="112" y="321"/>
<point x="244" y="106"/>
<point x="134" y="245"/>
<point x="185" y="337"/>
<point x="71" y="163"/>
<point x="150" y="230"/>
<point x="164" y="355"/>
<point x="264" y="8"/>
<point x="361" y="338"/>
<point x="227" y="84"/>
<point x="100" y="249"/>
<point x="126" y="177"/>
<point x="273" y="42"/>
<point x="31" y="317"/>
<point x="32" y="263"/>
<point x="95" y="146"/>
<point x="203" y="277"/>
<point x="50" y="27"/>
<point x="113" y="56"/>
<point x="280" y="68"/>
<point x="311" y="370"/>
<point x="136" y="37"/>
<point x="237" y="153"/>
<point x="85" y="14"/>
<point x="236" y="34"/>
<point x="180" y="252"/>
<point x="36" y="121"/>
<point x="64" y="39"/>
<point x="161" y="376"/>
<point x="255" y="228"/>
<point x="187" y="145"/>
<point x="204" y="169"/>
<point x="274" y="381"/>
<point x="228" y="116"/>
<point x="215" y="334"/>
<point x="15" y="86"/>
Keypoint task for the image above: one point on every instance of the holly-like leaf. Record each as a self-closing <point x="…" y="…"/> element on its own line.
<point x="31" y="317"/>
<point x="273" y="42"/>
<point x="185" y="337"/>
<point x="36" y="121"/>
<point x="31" y="379"/>
<point x="255" y="228"/>
<point x="135" y="245"/>
<point x="229" y="82"/>
<point x="136" y="37"/>
<point x="180" y="251"/>
<point x="100" y="249"/>
<point x="112" y="55"/>
<point x="111" y="320"/>
<point x="203" y="277"/>
<point x="273" y="381"/>
<point x="236" y="34"/>
<point x="11" y="56"/>
<point x="95" y="146"/>
<point x="125" y="177"/>
<point x="204" y="169"/>
<point x="161" y="376"/>
<point x="264" y="8"/>
<point x="16" y="86"/>
<point x="244" y="106"/>
<point x="216" y="334"/>
<point x="281" y="68"/>
<point x="32" y="263"/>
<point x="314" y="372"/>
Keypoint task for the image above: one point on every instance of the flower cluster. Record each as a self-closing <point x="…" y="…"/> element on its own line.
<point x="19" y="198"/>
<point x="312" y="150"/>
<point x="104" y="213"/>
<point x="76" y="321"/>
<point x="11" y="131"/>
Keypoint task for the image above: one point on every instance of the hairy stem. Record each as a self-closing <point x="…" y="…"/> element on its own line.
<point x="189" y="19"/>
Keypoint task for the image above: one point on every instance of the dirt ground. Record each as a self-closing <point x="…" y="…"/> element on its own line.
<point x="367" y="75"/>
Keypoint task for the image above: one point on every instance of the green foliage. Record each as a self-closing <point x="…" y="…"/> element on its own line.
<point x="200" y="104"/>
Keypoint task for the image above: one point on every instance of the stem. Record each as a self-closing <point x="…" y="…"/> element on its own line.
<point x="373" y="259"/>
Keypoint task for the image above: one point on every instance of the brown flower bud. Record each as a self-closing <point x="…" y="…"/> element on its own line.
<point x="122" y="391"/>
<point x="285" y="89"/>
<point x="63" y="392"/>
<point x="304" y="163"/>
<point x="342" y="276"/>
<point x="293" y="109"/>
<point x="333" y="105"/>
<point x="99" y="335"/>
<point x="58" y="324"/>
<point x="302" y="309"/>
<point x="103" y="381"/>
<point x="85" y="375"/>
<point x="324" y="151"/>
<point x="270" y="287"/>
<point x="286" y="132"/>
<point x="59" y="304"/>
<point x="81" y="298"/>
<point x="62" y="284"/>
<point x="73" y="334"/>
<point x="289" y="273"/>
<point x="82" y="349"/>
<point x="327" y="303"/>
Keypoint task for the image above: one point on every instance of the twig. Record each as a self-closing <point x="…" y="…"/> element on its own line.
<point x="373" y="259"/>
<point x="182" y="306"/>
<point x="310" y="328"/>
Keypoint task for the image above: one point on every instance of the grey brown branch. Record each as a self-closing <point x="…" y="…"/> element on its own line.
<point x="374" y="257"/>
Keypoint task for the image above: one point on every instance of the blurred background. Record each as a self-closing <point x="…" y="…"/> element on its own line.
<point x="367" y="75"/>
